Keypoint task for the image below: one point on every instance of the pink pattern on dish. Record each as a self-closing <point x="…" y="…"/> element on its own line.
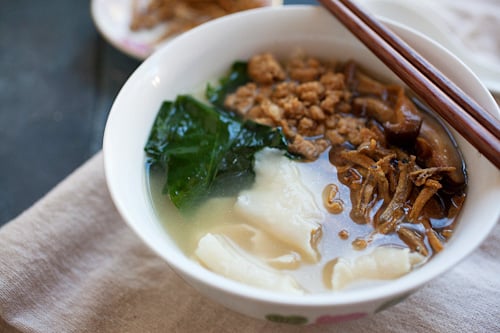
<point x="140" y="48"/>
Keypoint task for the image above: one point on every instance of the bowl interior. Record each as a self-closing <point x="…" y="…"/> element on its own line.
<point x="185" y="64"/>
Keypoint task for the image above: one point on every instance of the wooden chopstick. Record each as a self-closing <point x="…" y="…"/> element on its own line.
<point x="484" y="118"/>
<point x="476" y="125"/>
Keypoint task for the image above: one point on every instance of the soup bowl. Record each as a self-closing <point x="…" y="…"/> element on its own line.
<point x="204" y="54"/>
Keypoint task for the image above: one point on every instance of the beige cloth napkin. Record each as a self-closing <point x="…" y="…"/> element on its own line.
<point x="71" y="264"/>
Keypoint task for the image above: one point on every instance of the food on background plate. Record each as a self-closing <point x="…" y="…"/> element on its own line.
<point x="182" y="15"/>
<point x="304" y="176"/>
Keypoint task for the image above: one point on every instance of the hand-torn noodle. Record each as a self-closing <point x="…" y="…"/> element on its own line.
<point x="384" y="263"/>
<point x="280" y="204"/>
<point x="222" y="256"/>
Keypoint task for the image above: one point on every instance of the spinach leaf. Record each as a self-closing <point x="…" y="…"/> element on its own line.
<point x="237" y="76"/>
<point x="205" y="151"/>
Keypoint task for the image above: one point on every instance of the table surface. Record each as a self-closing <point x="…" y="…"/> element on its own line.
<point x="58" y="79"/>
<point x="57" y="83"/>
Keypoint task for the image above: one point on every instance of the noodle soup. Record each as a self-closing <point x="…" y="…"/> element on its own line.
<point x="314" y="176"/>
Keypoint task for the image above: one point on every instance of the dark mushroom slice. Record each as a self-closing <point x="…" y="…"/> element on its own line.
<point x="373" y="107"/>
<point x="436" y="148"/>
<point x="405" y="124"/>
<point x="401" y="121"/>
<point x="362" y="84"/>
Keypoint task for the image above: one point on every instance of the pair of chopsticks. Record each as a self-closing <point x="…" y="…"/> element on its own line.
<point x="475" y="124"/>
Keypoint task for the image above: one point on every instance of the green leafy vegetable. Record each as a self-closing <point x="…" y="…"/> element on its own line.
<point x="204" y="150"/>
<point x="237" y="77"/>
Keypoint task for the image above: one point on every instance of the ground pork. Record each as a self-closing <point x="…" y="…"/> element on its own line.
<point x="305" y="97"/>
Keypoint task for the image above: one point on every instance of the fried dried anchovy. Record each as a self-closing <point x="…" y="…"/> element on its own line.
<point x="431" y="187"/>
<point x="388" y="227"/>
<point x="358" y="158"/>
<point x="394" y="211"/>
<point x="380" y="175"/>
<point x="420" y="176"/>
<point x="385" y="162"/>
<point x="432" y="236"/>
<point x="351" y="177"/>
<point x="413" y="240"/>
<point x="331" y="203"/>
<point x="363" y="199"/>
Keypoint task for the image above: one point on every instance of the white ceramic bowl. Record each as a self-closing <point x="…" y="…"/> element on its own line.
<point x="186" y="63"/>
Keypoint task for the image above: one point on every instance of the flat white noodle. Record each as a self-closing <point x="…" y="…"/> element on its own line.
<point x="280" y="204"/>
<point x="224" y="257"/>
<point x="260" y="244"/>
<point x="384" y="263"/>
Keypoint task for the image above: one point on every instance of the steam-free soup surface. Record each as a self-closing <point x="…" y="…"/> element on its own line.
<point x="219" y="216"/>
<point x="366" y="188"/>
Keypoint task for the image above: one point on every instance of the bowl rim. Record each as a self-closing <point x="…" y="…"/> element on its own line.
<point x="183" y="265"/>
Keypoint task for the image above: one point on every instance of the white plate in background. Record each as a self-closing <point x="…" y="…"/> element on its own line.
<point x="112" y="19"/>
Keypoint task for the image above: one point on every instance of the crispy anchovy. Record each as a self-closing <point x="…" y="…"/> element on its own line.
<point x="413" y="240"/>
<point x="430" y="188"/>
<point x="382" y="182"/>
<point x="394" y="210"/>
<point x="419" y="177"/>
<point x="389" y="226"/>
<point x="364" y="197"/>
<point x="432" y="236"/>
<point x="358" y="158"/>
